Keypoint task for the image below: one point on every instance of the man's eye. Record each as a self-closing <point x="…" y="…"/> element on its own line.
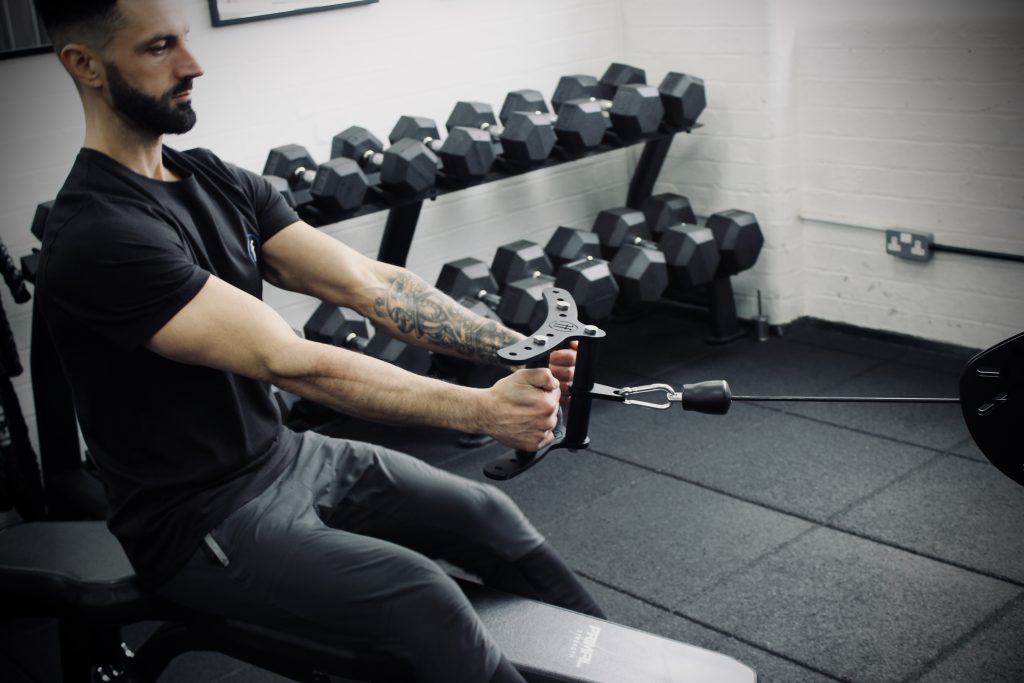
<point x="158" y="48"/>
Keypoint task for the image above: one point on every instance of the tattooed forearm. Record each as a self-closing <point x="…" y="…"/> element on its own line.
<point x="419" y="311"/>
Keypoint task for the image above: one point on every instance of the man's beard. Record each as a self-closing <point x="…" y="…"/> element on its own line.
<point x="156" y="115"/>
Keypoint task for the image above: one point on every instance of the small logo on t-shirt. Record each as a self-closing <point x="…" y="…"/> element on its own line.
<point x="253" y="246"/>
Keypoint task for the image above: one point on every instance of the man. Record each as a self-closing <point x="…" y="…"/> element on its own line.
<point x="150" y="282"/>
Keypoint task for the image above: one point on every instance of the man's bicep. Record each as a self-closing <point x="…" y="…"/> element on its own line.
<point x="225" y="328"/>
<point x="302" y="259"/>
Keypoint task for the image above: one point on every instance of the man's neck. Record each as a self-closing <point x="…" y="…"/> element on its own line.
<point x="140" y="152"/>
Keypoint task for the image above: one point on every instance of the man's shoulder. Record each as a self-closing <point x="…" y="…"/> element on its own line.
<point x="208" y="167"/>
<point x="201" y="158"/>
<point x="201" y="155"/>
<point x="95" y="228"/>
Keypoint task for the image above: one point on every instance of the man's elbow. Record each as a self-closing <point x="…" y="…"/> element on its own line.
<point x="289" y="361"/>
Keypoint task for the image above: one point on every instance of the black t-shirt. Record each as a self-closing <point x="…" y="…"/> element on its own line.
<point x="178" y="446"/>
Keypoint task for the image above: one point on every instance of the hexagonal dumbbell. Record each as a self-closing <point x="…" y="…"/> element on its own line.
<point x="569" y="244"/>
<point x="343" y="327"/>
<point x="684" y="99"/>
<point x="576" y="255"/>
<point x="665" y="209"/>
<point x="617" y="75"/>
<point x="686" y="255"/>
<point x="691" y="254"/>
<point x="466" y="155"/>
<point x="523" y="138"/>
<point x="634" y="109"/>
<point x="577" y="128"/>
<point x="638" y="266"/>
<point x="337" y="186"/>
<point x="635" y="115"/>
<point x="592" y="286"/>
<point x="519" y="260"/>
<point x="739" y="239"/>
<point x="517" y="307"/>
<point x="407" y="168"/>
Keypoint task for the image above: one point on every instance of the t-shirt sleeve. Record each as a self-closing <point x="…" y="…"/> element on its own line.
<point x="123" y="278"/>
<point x="272" y="211"/>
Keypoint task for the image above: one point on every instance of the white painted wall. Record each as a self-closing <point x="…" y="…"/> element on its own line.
<point x="915" y="121"/>
<point x="827" y="118"/>
<point x="834" y="120"/>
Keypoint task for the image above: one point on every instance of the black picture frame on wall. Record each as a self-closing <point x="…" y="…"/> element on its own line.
<point x="229" y="12"/>
<point x="21" y="31"/>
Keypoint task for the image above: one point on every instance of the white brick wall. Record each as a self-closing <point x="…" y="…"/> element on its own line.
<point x="915" y="122"/>
<point x="874" y="114"/>
<point x="866" y="115"/>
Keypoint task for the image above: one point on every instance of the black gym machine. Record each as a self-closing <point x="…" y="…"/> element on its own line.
<point x="991" y="392"/>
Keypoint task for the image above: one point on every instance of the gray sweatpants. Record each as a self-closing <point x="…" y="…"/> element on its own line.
<point x="339" y="547"/>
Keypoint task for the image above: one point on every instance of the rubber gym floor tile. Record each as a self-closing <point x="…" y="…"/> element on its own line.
<point x="630" y="611"/>
<point x="774" y="367"/>
<point x="993" y="654"/>
<point x="666" y="541"/>
<point x="846" y="341"/>
<point x="856" y="609"/>
<point x="968" y="449"/>
<point x="770" y="667"/>
<point x="213" y="667"/>
<point x="959" y="510"/>
<point x="938" y="426"/>
<point x="656" y="438"/>
<point x="785" y="462"/>
<point x="557" y="487"/>
<point x="28" y="650"/>
<point x="952" y="359"/>
<point x="200" y="666"/>
<point x="647" y="344"/>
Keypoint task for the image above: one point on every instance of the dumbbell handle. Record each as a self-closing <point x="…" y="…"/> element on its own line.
<point x="489" y="298"/>
<point x="642" y="243"/>
<point x="552" y="118"/>
<point x="605" y="104"/>
<point x="304" y="175"/>
<point x="355" y="342"/>
<point x="495" y="129"/>
<point x="372" y="158"/>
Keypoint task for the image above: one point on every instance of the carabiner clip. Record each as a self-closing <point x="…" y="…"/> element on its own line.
<point x="626" y="392"/>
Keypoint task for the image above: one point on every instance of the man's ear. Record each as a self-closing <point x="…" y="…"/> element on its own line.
<point x="83" y="64"/>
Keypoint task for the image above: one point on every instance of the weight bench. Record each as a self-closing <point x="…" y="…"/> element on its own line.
<point x="77" y="573"/>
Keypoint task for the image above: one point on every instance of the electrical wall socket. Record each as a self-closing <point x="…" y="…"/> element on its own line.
<point x="916" y="246"/>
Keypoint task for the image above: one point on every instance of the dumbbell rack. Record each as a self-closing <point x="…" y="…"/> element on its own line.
<point x="69" y="486"/>
<point x="404" y="212"/>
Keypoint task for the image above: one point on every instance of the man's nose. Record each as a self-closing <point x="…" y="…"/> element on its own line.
<point x="188" y="65"/>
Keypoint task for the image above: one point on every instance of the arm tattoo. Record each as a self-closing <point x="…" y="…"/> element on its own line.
<point x="418" y="310"/>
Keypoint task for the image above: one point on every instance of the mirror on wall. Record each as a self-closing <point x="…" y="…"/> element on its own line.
<point x="226" y="12"/>
<point x="21" y="32"/>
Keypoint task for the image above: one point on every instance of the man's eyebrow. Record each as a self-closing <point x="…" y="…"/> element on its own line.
<point x="156" y="38"/>
<point x="168" y="36"/>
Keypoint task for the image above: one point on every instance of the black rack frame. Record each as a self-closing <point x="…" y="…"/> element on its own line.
<point x="60" y="452"/>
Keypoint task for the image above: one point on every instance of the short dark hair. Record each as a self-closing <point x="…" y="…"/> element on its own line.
<point x="89" y="21"/>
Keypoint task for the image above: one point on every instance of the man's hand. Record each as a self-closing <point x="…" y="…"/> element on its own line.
<point x="522" y="409"/>
<point x="563" y="367"/>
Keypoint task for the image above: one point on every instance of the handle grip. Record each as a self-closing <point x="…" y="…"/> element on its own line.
<point x="561" y="327"/>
